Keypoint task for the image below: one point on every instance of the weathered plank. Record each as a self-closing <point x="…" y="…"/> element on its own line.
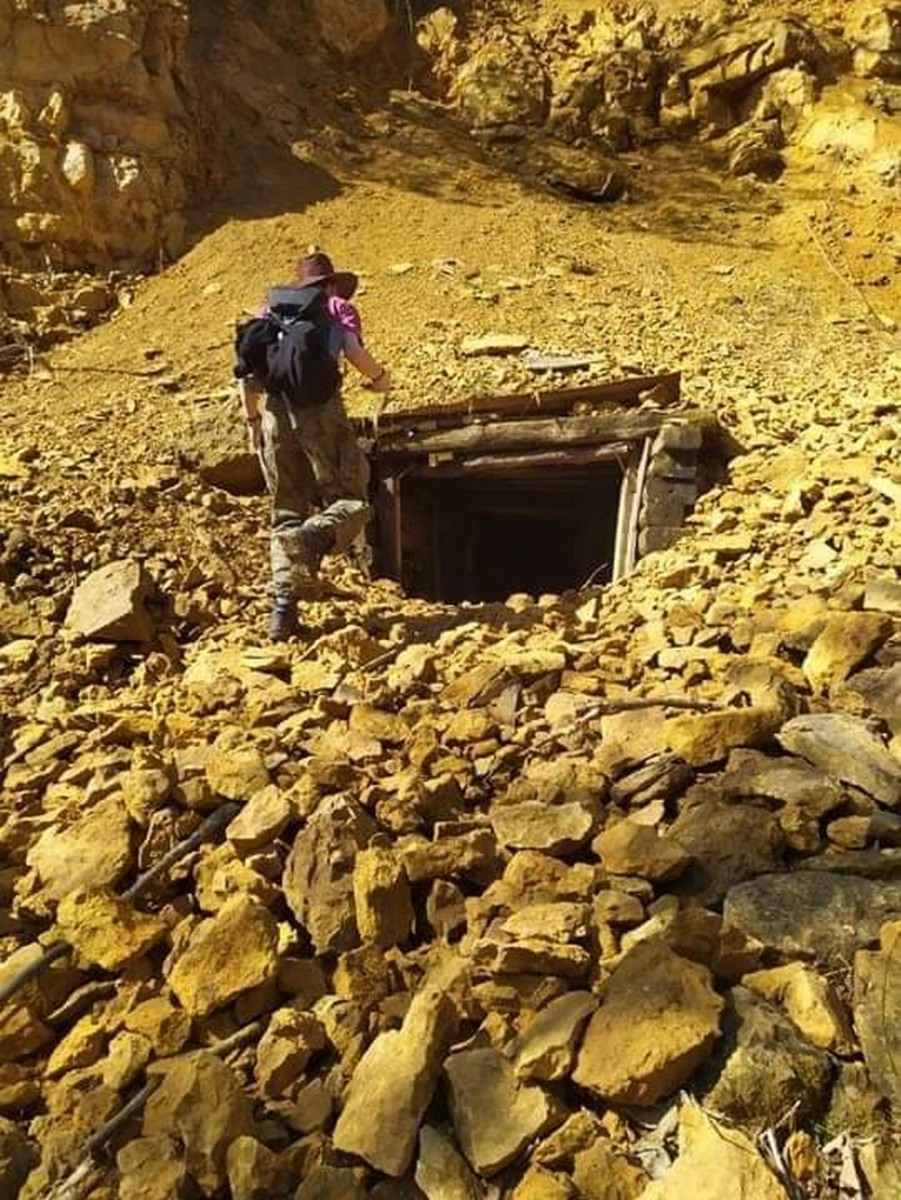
<point x="498" y="464"/>
<point x="540" y="402"/>
<point x="500" y="436"/>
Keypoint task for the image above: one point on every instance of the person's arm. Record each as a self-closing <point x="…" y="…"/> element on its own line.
<point x="377" y="376"/>
<point x="250" y="404"/>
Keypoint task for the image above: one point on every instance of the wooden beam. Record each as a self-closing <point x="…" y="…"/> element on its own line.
<point x="500" y="464"/>
<point x="501" y="436"/>
<point x="667" y="389"/>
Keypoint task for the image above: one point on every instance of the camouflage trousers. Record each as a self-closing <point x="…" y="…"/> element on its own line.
<point x="310" y="459"/>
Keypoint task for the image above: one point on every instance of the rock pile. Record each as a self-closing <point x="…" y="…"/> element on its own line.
<point x="491" y="900"/>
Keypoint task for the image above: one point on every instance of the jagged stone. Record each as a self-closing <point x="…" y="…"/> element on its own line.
<point x="94" y="852"/>
<point x="874" y="28"/>
<point x="532" y="956"/>
<point x="539" y="1183"/>
<point x="877" y="1010"/>
<point x="495" y="1115"/>
<point x="845" y="748"/>
<point x="555" y="828"/>
<point x="810" y="1001"/>
<point x="846" y="640"/>
<point x="657" y="1023"/>
<point x="812" y="914"/>
<point x="318" y="878"/>
<point x="82" y="1046"/>
<point x="126" y="1057"/>
<point x="331" y="1183"/>
<point x="727" y="843"/>
<point x="144" y="791"/>
<point x="768" y="1069"/>
<point x="384" y="910"/>
<point x="600" y="1173"/>
<point x="545" y="1050"/>
<point x="166" y="1027"/>
<point x="446" y="909"/>
<point x="441" y="1171"/>
<point x="450" y="856"/>
<point x="253" y="1170"/>
<point x="394" y="1081"/>
<point x="229" y="954"/>
<point x="715" y="1162"/>
<point x="883" y="595"/>
<point x="704" y="738"/>
<point x="260" y="821"/>
<point x="106" y="930"/>
<point x="755" y="149"/>
<point x="364" y="975"/>
<point x="110" y="605"/>
<point x="220" y="875"/>
<point x="201" y="1103"/>
<point x="17" y="1158"/>
<point x="560" y="921"/>
<point x="578" y="1132"/>
<point x="880" y="690"/>
<point x="502" y="85"/>
<point x="628" y="848"/>
<point x="237" y="774"/>
<point x="152" y="1168"/>
<point x="22" y="1031"/>
<point x="792" y="781"/>
<point x="290" y="1041"/>
<point x="19" y="1090"/>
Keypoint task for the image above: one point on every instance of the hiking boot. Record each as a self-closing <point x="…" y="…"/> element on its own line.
<point x="283" y="623"/>
<point x="318" y="540"/>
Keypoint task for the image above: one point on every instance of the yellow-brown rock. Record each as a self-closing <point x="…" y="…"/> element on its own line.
<point x="705" y="738"/>
<point x="657" y="1023"/>
<point x="94" y="852"/>
<point x="384" y="909"/>
<point x="714" y="1163"/>
<point x="237" y="774"/>
<point x="811" y="1002"/>
<point x="106" y="930"/>
<point x="202" y="1104"/>
<point x="162" y="1023"/>
<point x="228" y="954"/>
<point x="601" y="1173"/>
<point x="290" y="1040"/>
<point x="846" y="640"/>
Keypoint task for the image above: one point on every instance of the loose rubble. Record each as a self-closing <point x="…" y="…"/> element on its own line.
<point x="479" y="929"/>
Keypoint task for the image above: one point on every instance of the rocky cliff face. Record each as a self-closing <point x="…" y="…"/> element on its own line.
<point x="606" y="79"/>
<point x="101" y="126"/>
<point x="114" y="115"/>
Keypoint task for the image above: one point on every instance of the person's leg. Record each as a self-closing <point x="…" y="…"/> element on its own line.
<point x="342" y="477"/>
<point x="292" y="485"/>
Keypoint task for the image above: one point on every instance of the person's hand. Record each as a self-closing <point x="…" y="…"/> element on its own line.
<point x="254" y="434"/>
<point x="381" y="383"/>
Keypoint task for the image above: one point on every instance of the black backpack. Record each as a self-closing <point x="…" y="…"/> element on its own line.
<point x="287" y="352"/>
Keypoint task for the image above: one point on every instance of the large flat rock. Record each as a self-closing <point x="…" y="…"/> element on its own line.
<point x="846" y="748"/>
<point x="657" y="1023"/>
<point x="812" y="914"/>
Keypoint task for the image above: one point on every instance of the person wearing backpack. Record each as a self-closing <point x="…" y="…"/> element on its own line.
<point x="287" y="364"/>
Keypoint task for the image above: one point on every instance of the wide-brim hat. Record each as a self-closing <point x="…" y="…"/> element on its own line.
<point x="319" y="268"/>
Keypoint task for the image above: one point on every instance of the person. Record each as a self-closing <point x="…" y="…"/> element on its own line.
<point x="310" y="455"/>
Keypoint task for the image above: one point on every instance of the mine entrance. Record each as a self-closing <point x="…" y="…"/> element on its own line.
<point x="538" y="492"/>
<point x="486" y="535"/>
